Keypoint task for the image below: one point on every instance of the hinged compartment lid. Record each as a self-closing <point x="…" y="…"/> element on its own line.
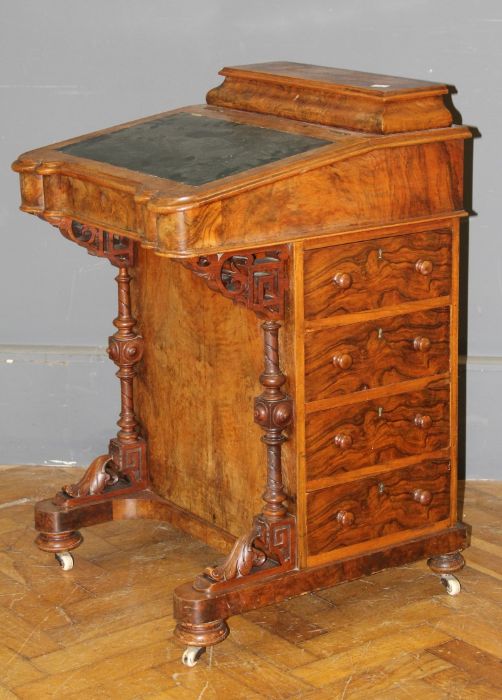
<point x="379" y="104"/>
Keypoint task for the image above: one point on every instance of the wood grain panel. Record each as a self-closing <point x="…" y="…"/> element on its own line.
<point x="382" y="352"/>
<point x="379" y="272"/>
<point x="195" y="392"/>
<point x="377" y="506"/>
<point x="373" y="432"/>
<point x="333" y="96"/>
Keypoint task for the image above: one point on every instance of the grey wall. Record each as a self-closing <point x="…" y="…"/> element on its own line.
<point x="69" y="68"/>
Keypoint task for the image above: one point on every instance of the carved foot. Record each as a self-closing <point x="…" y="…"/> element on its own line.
<point x="446" y="563"/>
<point x="58" y="541"/>
<point x="97" y="477"/>
<point x="201" y="635"/>
<point x="121" y="471"/>
<point x="269" y="547"/>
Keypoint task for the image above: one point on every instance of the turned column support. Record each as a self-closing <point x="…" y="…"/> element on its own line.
<point x="273" y="411"/>
<point x="122" y="469"/>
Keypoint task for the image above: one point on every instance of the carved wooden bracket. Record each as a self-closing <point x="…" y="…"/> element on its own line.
<point x="269" y="547"/>
<point x="256" y="279"/>
<point x="119" y="250"/>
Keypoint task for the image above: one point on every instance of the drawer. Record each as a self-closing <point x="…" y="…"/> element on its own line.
<point x="361" y="356"/>
<point x="404" y="499"/>
<point x="380" y="272"/>
<point x="373" y="432"/>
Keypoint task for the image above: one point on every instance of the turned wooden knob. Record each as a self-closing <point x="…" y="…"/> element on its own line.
<point x="422" y="497"/>
<point x="343" y="441"/>
<point x="345" y="517"/>
<point x="342" y="280"/>
<point x="421" y="343"/>
<point x="342" y="360"/>
<point x="423" y="422"/>
<point x="424" y="267"/>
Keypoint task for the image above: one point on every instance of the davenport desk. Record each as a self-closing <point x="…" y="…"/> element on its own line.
<point x="325" y="204"/>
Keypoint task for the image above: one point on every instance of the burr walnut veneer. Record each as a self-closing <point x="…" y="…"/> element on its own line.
<point x="325" y="205"/>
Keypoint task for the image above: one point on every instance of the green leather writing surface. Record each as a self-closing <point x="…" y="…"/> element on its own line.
<point x="192" y="149"/>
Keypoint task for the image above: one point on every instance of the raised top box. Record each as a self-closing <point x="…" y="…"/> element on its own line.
<point x="379" y="104"/>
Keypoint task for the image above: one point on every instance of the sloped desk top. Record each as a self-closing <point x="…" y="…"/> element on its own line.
<point x="209" y="178"/>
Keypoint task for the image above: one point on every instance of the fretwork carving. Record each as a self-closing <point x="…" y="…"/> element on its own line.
<point x="256" y="279"/>
<point x="119" y="250"/>
<point x="271" y="541"/>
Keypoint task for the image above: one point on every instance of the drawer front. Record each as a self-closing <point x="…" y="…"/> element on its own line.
<point x="380" y="505"/>
<point x="362" y="356"/>
<point x="381" y="272"/>
<point x="373" y="432"/>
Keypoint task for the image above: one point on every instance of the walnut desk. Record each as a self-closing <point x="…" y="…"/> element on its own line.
<point x="325" y="204"/>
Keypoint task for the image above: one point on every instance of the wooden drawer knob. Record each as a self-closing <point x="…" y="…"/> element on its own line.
<point x="345" y="517"/>
<point x="421" y="343"/>
<point x="342" y="360"/>
<point x="343" y="441"/>
<point x="423" y="422"/>
<point x="343" y="280"/>
<point x="422" y="497"/>
<point x="424" y="267"/>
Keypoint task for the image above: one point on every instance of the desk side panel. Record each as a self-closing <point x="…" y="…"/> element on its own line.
<point x="194" y="395"/>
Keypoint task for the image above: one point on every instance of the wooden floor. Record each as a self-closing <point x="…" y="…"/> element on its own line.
<point x="104" y="630"/>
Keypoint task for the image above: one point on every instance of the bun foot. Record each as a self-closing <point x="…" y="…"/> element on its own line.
<point x="446" y="563"/>
<point x="203" y="635"/>
<point x="57" y="542"/>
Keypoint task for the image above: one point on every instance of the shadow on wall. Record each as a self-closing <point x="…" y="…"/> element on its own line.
<point x="463" y="280"/>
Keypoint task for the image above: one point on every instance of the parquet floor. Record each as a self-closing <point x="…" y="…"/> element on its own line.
<point x="104" y="629"/>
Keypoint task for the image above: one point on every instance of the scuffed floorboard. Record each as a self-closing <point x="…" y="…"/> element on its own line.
<point x="104" y="629"/>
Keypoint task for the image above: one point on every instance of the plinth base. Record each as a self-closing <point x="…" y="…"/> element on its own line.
<point x="194" y="609"/>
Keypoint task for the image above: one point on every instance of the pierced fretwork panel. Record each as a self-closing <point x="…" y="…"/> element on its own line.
<point x="256" y="279"/>
<point x="119" y="250"/>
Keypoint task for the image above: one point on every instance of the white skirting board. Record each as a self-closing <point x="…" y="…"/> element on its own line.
<point x="58" y="406"/>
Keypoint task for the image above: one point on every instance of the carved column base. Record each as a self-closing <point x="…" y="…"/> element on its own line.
<point x="267" y="549"/>
<point x="446" y="563"/>
<point x="58" y="541"/>
<point x="203" y="635"/>
<point x="122" y="470"/>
